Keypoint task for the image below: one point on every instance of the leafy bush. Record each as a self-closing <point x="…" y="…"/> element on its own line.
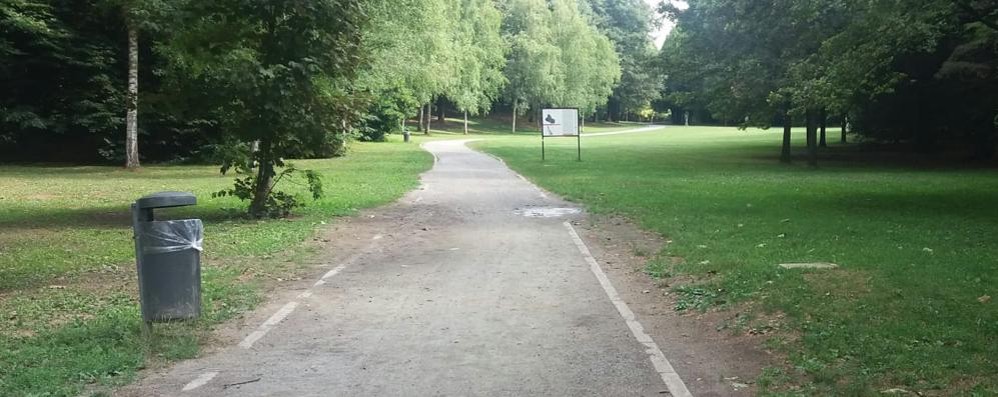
<point x="277" y="204"/>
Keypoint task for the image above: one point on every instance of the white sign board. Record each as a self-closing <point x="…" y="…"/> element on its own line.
<point x="560" y="122"/>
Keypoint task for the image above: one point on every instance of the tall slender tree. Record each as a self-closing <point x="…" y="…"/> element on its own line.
<point x="480" y="53"/>
<point x="132" y="97"/>
<point x="533" y="66"/>
<point x="629" y="24"/>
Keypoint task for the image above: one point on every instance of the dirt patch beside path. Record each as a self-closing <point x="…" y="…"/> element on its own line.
<point x="712" y="360"/>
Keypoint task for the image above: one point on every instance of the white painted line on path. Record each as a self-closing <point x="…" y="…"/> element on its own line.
<point x="264" y="328"/>
<point x="254" y="336"/>
<point x="290" y="307"/>
<point x="281" y="314"/>
<point x="284" y="312"/>
<point x="672" y="380"/>
<point x="200" y="381"/>
<point x="333" y="272"/>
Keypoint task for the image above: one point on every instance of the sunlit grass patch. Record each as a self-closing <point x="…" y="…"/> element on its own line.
<point x="69" y="317"/>
<point x="916" y="247"/>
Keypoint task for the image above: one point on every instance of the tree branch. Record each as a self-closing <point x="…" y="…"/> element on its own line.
<point x="976" y="14"/>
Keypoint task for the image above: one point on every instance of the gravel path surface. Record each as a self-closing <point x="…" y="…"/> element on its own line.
<point x="471" y="285"/>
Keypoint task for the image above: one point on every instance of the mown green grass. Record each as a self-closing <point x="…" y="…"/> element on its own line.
<point x="493" y="127"/>
<point x="917" y="248"/>
<point x="68" y="311"/>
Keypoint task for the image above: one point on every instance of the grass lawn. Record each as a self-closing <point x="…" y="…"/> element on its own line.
<point x="69" y="318"/>
<point x="918" y="250"/>
<point x="498" y="126"/>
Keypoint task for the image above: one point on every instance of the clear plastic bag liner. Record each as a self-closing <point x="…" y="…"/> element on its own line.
<point x="161" y="237"/>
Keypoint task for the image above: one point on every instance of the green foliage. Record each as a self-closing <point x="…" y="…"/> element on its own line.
<point x="271" y="73"/>
<point x="882" y="64"/>
<point x="409" y="47"/>
<point x="533" y="67"/>
<point x="479" y="55"/>
<point x="556" y="56"/>
<point x="58" y="76"/>
<point x="698" y="298"/>
<point x="628" y="24"/>
<point x="386" y="116"/>
<point x="277" y="204"/>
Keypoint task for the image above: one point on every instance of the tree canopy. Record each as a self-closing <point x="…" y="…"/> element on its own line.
<point x="628" y="24"/>
<point x="557" y="57"/>
<point x="886" y="67"/>
<point x="250" y="84"/>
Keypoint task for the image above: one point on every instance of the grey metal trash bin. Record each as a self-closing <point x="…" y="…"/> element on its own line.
<point x="168" y="259"/>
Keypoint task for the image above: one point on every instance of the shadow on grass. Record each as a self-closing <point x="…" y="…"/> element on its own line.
<point x="862" y="157"/>
<point x="107" y="217"/>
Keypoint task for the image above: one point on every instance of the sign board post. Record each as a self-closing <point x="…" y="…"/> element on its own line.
<point x="561" y="122"/>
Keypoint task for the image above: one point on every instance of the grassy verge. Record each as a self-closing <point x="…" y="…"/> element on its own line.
<point x="68" y="312"/>
<point x="907" y="309"/>
<point x="491" y="126"/>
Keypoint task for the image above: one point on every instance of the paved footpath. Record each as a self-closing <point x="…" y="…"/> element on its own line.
<point x="478" y="290"/>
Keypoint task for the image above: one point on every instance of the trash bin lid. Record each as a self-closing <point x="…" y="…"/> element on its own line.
<point x="166" y="200"/>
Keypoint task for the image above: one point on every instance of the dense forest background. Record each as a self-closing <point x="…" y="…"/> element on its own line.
<point x="919" y="73"/>
<point x="64" y="80"/>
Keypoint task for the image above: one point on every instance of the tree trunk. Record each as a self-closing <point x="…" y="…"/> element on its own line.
<point x="422" y="108"/>
<point x="823" y="122"/>
<point x="132" y="101"/>
<point x="812" y="138"/>
<point x="514" y="115"/>
<point x="264" y="179"/>
<point x="986" y="141"/>
<point x="465" y="122"/>
<point x="845" y="126"/>
<point x="440" y="107"/>
<point x="429" y="117"/>
<point x="788" y="123"/>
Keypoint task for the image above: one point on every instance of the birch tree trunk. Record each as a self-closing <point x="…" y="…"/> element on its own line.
<point x="514" y="115"/>
<point x="465" y="122"/>
<point x="787" y="135"/>
<point x="132" y="101"/>
<point x="845" y="128"/>
<point x="422" y="109"/>
<point x="429" y="117"/>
